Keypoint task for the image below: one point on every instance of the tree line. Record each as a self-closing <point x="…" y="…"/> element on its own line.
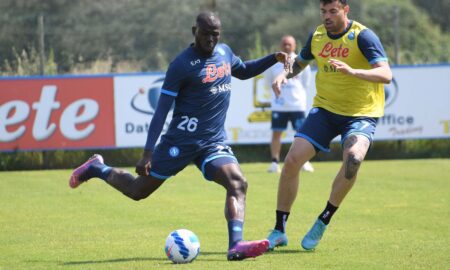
<point x="142" y="35"/>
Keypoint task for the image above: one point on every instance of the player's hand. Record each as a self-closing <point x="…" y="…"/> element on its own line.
<point x="144" y="164"/>
<point x="277" y="83"/>
<point x="284" y="58"/>
<point x="342" y="67"/>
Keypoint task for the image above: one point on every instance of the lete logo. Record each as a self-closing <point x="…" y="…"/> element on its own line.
<point x="213" y="72"/>
<point x="60" y="113"/>
<point x="330" y="51"/>
<point x="16" y="111"/>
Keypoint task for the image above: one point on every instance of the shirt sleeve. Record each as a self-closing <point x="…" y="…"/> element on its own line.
<point x="306" y="54"/>
<point x="159" y="118"/>
<point x="252" y="68"/>
<point x="236" y="61"/>
<point x="174" y="80"/>
<point x="371" y="47"/>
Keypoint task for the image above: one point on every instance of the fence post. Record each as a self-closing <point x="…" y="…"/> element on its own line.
<point x="41" y="44"/>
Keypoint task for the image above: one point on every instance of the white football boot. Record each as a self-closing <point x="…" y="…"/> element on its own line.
<point x="274" y="168"/>
<point x="307" y="167"/>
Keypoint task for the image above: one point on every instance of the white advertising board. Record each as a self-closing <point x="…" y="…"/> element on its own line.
<point x="417" y="107"/>
<point x="135" y="100"/>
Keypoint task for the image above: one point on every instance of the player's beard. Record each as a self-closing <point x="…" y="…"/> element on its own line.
<point x="333" y="27"/>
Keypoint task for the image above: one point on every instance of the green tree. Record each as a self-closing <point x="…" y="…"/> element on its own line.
<point x="153" y="32"/>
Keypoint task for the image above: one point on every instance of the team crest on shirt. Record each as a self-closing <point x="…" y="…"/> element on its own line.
<point x="351" y="36"/>
<point x="314" y="110"/>
<point x="174" y="151"/>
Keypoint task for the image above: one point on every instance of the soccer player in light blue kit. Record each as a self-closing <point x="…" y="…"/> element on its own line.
<point x="199" y="82"/>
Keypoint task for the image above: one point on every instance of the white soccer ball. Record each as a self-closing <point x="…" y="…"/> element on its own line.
<point x="182" y="246"/>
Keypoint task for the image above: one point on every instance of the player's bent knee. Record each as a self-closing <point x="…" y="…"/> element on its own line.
<point x="293" y="162"/>
<point x="242" y="185"/>
<point x="238" y="185"/>
<point x="136" y="195"/>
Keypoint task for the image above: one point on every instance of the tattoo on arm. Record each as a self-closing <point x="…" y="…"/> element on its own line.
<point x="296" y="69"/>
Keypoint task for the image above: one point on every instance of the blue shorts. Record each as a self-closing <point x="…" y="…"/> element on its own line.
<point x="168" y="159"/>
<point x="322" y="126"/>
<point x="280" y="120"/>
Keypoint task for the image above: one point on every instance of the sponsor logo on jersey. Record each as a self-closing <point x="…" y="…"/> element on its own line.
<point x="330" y="51"/>
<point x="213" y="72"/>
<point x="221" y="88"/>
<point x="195" y="62"/>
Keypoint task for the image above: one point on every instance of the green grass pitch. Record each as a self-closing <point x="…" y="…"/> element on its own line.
<point x="396" y="217"/>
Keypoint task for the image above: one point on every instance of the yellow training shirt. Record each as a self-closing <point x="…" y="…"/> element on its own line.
<point x="345" y="94"/>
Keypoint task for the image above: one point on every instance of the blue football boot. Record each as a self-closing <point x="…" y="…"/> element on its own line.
<point x="277" y="239"/>
<point x="312" y="238"/>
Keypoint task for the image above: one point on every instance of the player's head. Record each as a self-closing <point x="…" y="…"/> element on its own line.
<point x="207" y="32"/>
<point x="288" y="44"/>
<point x="334" y="15"/>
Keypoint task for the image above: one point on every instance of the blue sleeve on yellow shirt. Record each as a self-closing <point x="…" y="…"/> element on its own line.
<point x="306" y="54"/>
<point x="371" y="47"/>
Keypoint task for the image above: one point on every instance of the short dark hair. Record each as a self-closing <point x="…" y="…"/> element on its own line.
<point x="325" y="2"/>
<point x="207" y="17"/>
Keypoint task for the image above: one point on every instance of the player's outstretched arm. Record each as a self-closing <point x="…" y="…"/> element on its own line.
<point x="294" y="69"/>
<point x="380" y="72"/>
<point x="252" y="68"/>
<point x="159" y="118"/>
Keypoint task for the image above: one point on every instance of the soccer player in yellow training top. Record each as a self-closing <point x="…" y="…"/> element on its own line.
<point x="352" y="68"/>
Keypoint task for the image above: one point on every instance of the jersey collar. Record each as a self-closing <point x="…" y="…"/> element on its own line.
<point x="199" y="54"/>
<point x="341" y="34"/>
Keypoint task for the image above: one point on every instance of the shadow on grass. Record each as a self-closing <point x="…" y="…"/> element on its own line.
<point x="203" y="257"/>
<point x="212" y="253"/>
<point x="138" y="259"/>
<point x="118" y="260"/>
<point x="290" y="251"/>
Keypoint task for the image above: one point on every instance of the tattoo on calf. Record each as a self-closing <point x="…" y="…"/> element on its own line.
<point x="354" y="160"/>
<point x="351" y="166"/>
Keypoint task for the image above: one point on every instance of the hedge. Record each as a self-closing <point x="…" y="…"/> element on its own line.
<point x="245" y="153"/>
